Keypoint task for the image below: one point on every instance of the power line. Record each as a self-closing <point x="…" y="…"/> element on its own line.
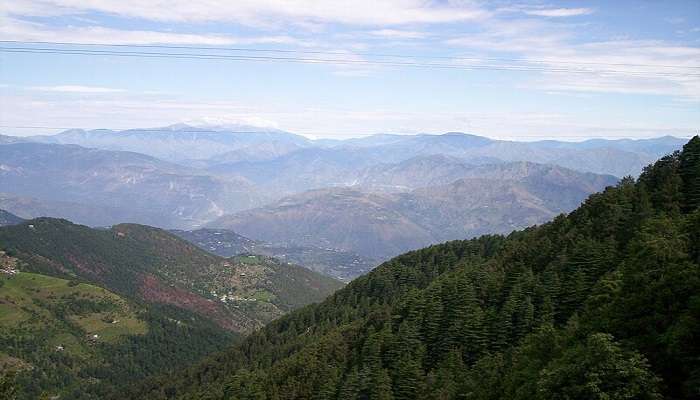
<point x="201" y="56"/>
<point x="419" y="56"/>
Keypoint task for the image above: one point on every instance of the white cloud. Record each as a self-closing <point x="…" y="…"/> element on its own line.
<point x="76" y="89"/>
<point x="256" y="12"/>
<point x="15" y="29"/>
<point x="559" y="12"/>
<point x="399" y="34"/>
<point x="614" y="66"/>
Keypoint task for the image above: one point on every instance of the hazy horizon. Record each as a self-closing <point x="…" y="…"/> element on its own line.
<point x="40" y="131"/>
<point x="510" y="70"/>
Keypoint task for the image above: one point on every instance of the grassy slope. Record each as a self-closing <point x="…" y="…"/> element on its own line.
<point x="150" y="264"/>
<point x="81" y="341"/>
<point x="47" y="325"/>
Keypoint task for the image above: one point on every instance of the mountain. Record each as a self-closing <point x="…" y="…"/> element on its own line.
<point x="182" y="142"/>
<point x="4" y="139"/>
<point x="88" y="214"/>
<point x="596" y="155"/>
<point x="7" y="218"/>
<point x="239" y="294"/>
<point x="398" y="162"/>
<point x="83" y="310"/>
<point x="341" y="265"/>
<point x="227" y="149"/>
<point x="128" y="186"/>
<point x="81" y="341"/>
<point x="487" y="199"/>
<point x="309" y="168"/>
<point x="600" y="303"/>
<point x="340" y="218"/>
<point x="215" y="171"/>
<point x="416" y="172"/>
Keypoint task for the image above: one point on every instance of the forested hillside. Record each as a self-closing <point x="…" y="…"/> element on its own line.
<point x="601" y="304"/>
<point x="84" y="311"/>
<point x="239" y="294"/>
<point x="79" y="341"/>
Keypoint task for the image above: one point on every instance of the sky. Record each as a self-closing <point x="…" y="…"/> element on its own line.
<point x="522" y="70"/>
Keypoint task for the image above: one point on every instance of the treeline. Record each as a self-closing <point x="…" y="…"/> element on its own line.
<point x="601" y="304"/>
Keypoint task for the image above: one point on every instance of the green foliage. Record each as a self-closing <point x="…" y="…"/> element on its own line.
<point x="600" y="304"/>
<point x="689" y="171"/>
<point x="46" y="336"/>
<point x="8" y="386"/>
<point x="254" y="290"/>
<point x="597" y="369"/>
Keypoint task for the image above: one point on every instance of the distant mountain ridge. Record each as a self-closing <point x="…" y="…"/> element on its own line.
<point x="138" y="187"/>
<point x="216" y="146"/>
<point x="374" y="197"/>
<point x="184" y="142"/>
<point x="488" y="199"/>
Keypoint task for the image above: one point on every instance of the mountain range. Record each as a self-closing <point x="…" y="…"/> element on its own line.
<point x="355" y="202"/>
<point x="601" y="303"/>
<point x="181" y="142"/>
<point x="120" y="186"/>
<point x="480" y="199"/>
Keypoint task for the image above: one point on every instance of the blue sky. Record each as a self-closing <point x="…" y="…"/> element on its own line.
<point x="641" y="61"/>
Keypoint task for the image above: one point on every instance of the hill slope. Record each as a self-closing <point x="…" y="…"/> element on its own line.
<point x="151" y="265"/>
<point x="80" y="341"/>
<point x="602" y="303"/>
<point x="166" y="304"/>
<point x="128" y="187"/>
<point x="7" y="218"/>
<point x="487" y="199"/>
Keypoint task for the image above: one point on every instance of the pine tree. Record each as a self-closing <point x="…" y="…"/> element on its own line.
<point x="474" y="326"/>
<point x="408" y="379"/>
<point x="351" y="386"/>
<point x="381" y="386"/>
<point x="689" y="170"/>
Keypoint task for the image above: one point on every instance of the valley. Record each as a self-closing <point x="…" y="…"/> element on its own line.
<point x="389" y="193"/>
<point x="338" y="264"/>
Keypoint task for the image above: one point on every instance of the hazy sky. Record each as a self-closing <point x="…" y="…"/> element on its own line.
<point x="500" y="69"/>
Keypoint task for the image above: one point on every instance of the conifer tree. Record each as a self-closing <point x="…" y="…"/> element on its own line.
<point x="689" y="171"/>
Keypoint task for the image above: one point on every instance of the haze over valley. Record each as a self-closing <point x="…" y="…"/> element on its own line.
<point x="372" y="197"/>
